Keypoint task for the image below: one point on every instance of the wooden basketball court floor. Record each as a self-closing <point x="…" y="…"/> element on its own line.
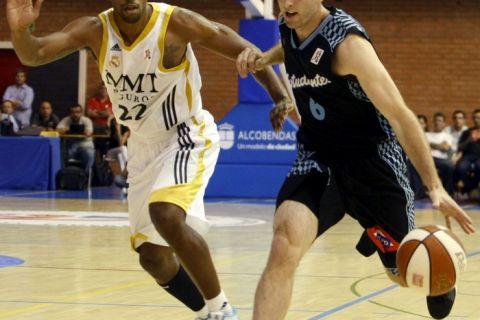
<point x="66" y="255"/>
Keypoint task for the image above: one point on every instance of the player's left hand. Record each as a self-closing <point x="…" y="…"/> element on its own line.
<point x="279" y="113"/>
<point x="441" y="200"/>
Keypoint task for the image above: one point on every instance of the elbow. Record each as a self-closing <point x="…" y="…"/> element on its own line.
<point x="29" y="61"/>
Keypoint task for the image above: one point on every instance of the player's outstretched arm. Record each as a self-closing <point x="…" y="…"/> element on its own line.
<point x="33" y="51"/>
<point x="192" y="27"/>
<point x="382" y="91"/>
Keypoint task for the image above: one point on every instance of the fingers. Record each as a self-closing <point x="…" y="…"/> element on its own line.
<point x="279" y="114"/>
<point x="451" y="209"/>
<point x="38" y="6"/>
<point x="448" y="223"/>
<point x="249" y="60"/>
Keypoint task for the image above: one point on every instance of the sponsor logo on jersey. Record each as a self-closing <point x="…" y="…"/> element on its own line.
<point x="382" y="239"/>
<point x="116" y="47"/>
<point x="147" y="55"/>
<point x="114" y="61"/>
<point x="417" y="280"/>
<point x="317" y="55"/>
<point x="315" y="82"/>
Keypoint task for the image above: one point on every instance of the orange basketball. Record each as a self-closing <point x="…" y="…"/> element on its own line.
<point x="430" y="259"/>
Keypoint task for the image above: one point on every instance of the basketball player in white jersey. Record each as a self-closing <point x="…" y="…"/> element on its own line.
<point x="148" y="66"/>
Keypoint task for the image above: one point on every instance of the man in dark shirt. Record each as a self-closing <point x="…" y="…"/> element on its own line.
<point x="45" y="118"/>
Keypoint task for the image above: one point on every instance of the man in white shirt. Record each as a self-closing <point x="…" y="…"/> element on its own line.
<point x="441" y="145"/>
<point x="456" y="129"/>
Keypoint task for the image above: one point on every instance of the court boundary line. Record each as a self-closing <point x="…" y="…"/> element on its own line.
<point x="367" y="297"/>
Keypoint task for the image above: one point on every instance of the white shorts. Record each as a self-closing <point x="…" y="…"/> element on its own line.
<point x="174" y="170"/>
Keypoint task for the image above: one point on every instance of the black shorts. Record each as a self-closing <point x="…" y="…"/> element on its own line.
<point x="373" y="190"/>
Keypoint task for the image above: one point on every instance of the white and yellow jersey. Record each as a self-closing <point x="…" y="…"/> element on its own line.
<point x="147" y="97"/>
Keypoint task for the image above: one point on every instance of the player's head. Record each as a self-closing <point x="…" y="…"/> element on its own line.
<point x="300" y="13"/>
<point x="130" y="11"/>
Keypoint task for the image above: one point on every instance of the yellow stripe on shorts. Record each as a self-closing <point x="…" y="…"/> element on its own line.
<point x="183" y="195"/>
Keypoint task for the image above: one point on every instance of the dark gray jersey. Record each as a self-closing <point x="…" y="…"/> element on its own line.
<point x="337" y="116"/>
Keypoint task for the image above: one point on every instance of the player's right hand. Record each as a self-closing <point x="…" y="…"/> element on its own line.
<point x="22" y="13"/>
<point x="250" y="60"/>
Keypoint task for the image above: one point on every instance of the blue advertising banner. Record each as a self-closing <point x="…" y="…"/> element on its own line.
<point x="254" y="159"/>
<point x="247" y="137"/>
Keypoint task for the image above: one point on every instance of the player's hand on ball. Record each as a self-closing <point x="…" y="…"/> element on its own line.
<point x="450" y="209"/>
<point x="279" y="113"/>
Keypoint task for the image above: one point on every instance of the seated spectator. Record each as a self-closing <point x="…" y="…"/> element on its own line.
<point x="9" y="124"/>
<point x="117" y="151"/>
<point x="78" y="148"/>
<point x="45" y="118"/>
<point x="21" y="95"/>
<point x="99" y="109"/>
<point x="457" y="128"/>
<point x="467" y="171"/>
<point x="422" y="119"/>
<point x="441" y="145"/>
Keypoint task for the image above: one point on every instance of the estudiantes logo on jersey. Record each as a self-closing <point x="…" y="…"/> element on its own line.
<point x="256" y="139"/>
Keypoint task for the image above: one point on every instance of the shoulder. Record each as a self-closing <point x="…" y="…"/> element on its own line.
<point x="86" y="120"/>
<point x="190" y="26"/>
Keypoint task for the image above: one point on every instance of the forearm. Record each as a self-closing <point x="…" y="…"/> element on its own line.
<point x="274" y="55"/>
<point x="26" y="46"/>
<point x="413" y="141"/>
<point x="269" y="80"/>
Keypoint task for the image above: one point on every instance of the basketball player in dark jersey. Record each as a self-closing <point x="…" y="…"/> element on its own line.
<point x="353" y="121"/>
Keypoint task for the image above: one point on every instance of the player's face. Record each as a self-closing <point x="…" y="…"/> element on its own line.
<point x="299" y="13"/>
<point x="129" y="11"/>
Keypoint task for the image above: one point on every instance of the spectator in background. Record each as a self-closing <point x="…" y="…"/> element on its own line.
<point x="78" y="148"/>
<point x="441" y="145"/>
<point x="9" y="124"/>
<point x="99" y="108"/>
<point x="467" y="170"/>
<point x="21" y="95"/>
<point x="117" y="143"/>
<point x="45" y="118"/>
<point x="457" y="128"/>
<point x="422" y="119"/>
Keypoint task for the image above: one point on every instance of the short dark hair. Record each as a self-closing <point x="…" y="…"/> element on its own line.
<point x="423" y="117"/>
<point x="76" y="106"/>
<point x="458" y="112"/>
<point x="438" y="114"/>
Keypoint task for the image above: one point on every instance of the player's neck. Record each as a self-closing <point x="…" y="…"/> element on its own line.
<point x="131" y="31"/>
<point x="312" y="25"/>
